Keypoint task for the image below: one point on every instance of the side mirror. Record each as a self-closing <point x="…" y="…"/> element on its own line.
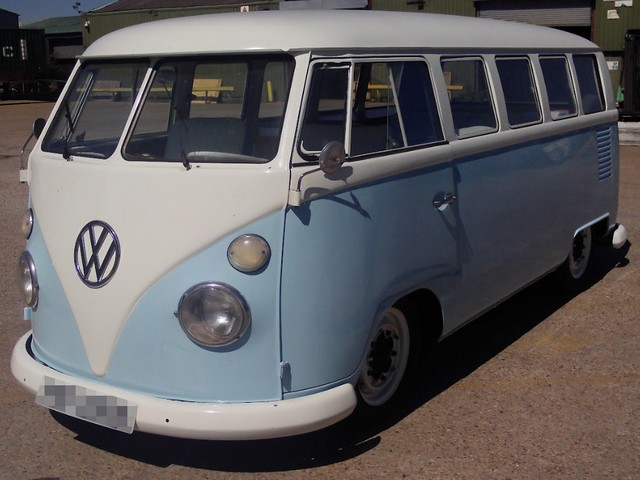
<point x="38" y="127"/>
<point x="332" y="157"/>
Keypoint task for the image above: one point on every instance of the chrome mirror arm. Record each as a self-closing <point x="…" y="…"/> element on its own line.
<point x="38" y="127"/>
<point x="330" y="161"/>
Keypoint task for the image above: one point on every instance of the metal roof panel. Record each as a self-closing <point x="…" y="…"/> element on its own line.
<point x="316" y="30"/>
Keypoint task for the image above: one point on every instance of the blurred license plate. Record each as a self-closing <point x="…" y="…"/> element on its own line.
<point x="94" y="407"/>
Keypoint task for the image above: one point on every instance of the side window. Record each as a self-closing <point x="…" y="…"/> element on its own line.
<point x="589" y="83"/>
<point x="325" y="115"/>
<point x="391" y="106"/>
<point x="555" y="71"/>
<point x="519" y="91"/>
<point x="470" y="98"/>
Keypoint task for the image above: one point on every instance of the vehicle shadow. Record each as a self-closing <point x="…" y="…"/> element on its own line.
<point x="445" y="364"/>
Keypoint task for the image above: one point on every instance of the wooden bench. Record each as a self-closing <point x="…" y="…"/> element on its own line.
<point x="211" y="88"/>
<point x="107" y="89"/>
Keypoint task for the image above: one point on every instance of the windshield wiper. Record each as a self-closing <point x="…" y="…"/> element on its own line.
<point x="185" y="160"/>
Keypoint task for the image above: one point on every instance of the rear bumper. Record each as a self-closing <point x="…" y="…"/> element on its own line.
<point x="619" y="237"/>
<point x="210" y="421"/>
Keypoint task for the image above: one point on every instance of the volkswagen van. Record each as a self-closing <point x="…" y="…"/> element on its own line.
<point x="240" y="226"/>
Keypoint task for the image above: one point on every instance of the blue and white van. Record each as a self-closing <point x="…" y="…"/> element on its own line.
<point x="242" y="225"/>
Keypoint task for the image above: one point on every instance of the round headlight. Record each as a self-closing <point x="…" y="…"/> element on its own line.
<point x="248" y="253"/>
<point x="213" y="314"/>
<point x="28" y="279"/>
<point x="26" y="225"/>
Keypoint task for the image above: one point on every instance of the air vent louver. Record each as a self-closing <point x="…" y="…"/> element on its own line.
<point x="604" y="154"/>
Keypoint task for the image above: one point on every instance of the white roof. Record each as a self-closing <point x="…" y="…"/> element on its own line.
<point x="272" y="31"/>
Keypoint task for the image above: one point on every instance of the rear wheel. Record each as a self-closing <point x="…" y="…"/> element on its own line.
<point x="572" y="273"/>
<point x="580" y="254"/>
<point x="387" y="359"/>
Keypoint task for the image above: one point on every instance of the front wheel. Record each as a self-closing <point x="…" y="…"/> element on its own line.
<point x="387" y="358"/>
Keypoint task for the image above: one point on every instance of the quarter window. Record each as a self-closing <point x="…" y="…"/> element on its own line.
<point x="557" y="79"/>
<point x="325" y="116"/>
<point x="519" y="90"/>
<point x="589" y="83"/>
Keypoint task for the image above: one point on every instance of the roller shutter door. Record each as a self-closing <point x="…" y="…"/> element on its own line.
<point x="550" y="13"/>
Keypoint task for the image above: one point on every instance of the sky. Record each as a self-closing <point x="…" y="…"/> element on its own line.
<point x="35" y="10"/>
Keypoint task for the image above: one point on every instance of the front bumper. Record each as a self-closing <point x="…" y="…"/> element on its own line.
<point x="209" y="421"/>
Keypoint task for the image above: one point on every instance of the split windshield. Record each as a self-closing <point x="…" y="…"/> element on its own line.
<point x="91" y="118"/>
<point x="198" y="109"/>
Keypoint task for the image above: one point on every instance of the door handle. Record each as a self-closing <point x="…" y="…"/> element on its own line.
<point x="447" y="199"/>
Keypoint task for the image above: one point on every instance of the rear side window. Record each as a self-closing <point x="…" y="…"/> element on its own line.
<point x="589" y="83"/>
<point x="390" y="106"/>
<point x="470" y="97"/>
<point x="519" y="90"/>
<point x="557" y="79"/>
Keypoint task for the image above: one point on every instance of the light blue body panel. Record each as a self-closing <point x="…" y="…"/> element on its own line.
<point x="348" y="257"/>
<point x="56" y="338"/>
<point x="351" y="255"/>
<point x="345" y="259"/>
<point x="519" y="209"/>
<point x="153" y="355"/>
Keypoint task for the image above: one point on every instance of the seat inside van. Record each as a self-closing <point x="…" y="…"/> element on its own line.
<point x="205" y="135"/>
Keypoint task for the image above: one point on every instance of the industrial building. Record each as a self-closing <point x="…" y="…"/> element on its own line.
<point x="614" y="25"/>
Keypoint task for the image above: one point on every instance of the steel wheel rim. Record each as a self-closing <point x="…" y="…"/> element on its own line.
<point x="386" y="359"/>
<point x="580" y="253"/>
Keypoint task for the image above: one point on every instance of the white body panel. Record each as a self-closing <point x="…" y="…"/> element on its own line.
<point x="303" y="31"/>
<point x="154" y="240"/>
<point x="216" y="421"/>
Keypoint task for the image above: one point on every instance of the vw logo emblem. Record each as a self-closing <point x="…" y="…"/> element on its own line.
<point x="96" y="254"/>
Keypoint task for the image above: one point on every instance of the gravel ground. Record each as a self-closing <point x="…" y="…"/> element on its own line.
<point x="546" y="386"/>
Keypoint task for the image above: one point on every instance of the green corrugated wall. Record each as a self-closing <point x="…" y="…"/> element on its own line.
<point x="609" y="33"/>
<point x="23" y="54"/>
<point x="102" y="23"/>
<point x="451" y="7"/>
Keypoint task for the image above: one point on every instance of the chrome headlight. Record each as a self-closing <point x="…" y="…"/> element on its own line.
<point x="28" y="280"/>
<point x="248" y="253"/>
<point x="26" y="225"/>
<point x="213" y="314"/>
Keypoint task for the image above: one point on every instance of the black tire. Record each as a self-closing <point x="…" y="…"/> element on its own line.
<point x="390" y="361"/>
<point x="573" y="273"/>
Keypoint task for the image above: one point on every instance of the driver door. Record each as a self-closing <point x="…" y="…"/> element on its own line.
<point x="359" y="238"/>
